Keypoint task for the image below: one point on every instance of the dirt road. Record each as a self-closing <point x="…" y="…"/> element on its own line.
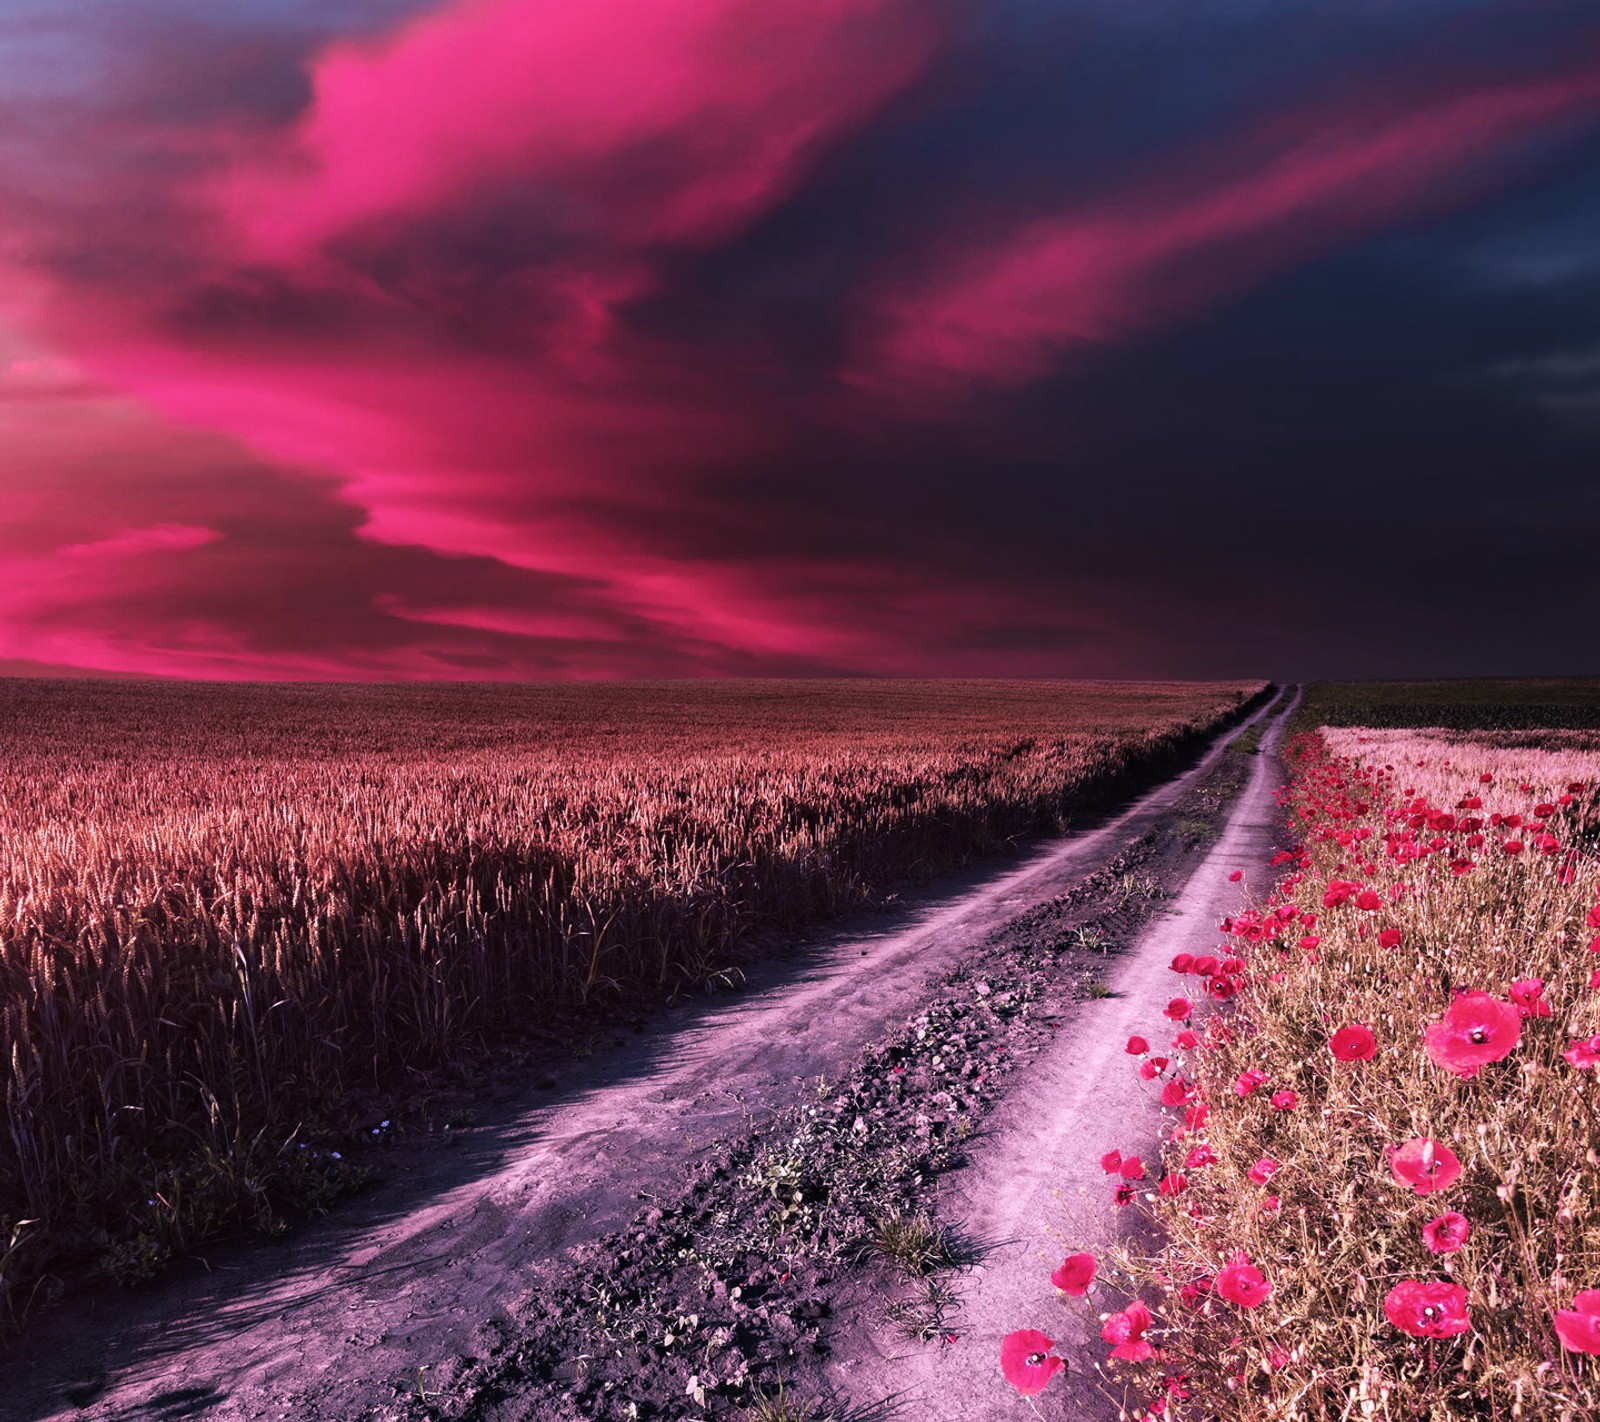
<point x="324" y="1324"/>
<point x="1035" y="1189"/>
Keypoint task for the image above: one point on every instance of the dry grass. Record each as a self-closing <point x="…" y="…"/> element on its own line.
<point x="1526" y="1128"/>
<point x="224" y="909"/>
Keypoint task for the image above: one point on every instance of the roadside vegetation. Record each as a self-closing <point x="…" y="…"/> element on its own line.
<point x="1380" y="1192"/>
<point x="236" y="921"/>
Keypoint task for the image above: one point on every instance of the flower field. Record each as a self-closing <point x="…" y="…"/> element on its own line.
<point x="231" y="918"/>
<point x="1380" y="1183"/>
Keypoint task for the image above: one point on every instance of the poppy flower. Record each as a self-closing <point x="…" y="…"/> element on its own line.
<point x="1200" y="1157"/>
<point x="1389" y="938"/>
<point x="1132" y="1168"/>
<point x="1206" y="966"/>
<point x="1137" y="1047"/>
<point x="1111" y="1162"/>
<point x="1427" y="1310"/>
<point x="1027" y="1362"/>
<point x="1174" y="1183"/>
<point x="1181" y="963"/>
<point x="1527" y="994"/>
<point x="1368" y="901"/>
<point x="1354" y="1043"/>
<point x="1248" y="1081"/>
<point x="1240" y="1282"/>
<point x="1426" y="1166"/>
<point x="1578" y="1328"/>
<point x="1475" y="1030"/>
<point x="1187" y="1041"/>
<point x="1126" y="1331"/>
<point x="1125" y="1193"/>
<point x="1446" y="1233"/>
<point x="1263" y="1170"/>
<point x="1075" y="1275"/>
<point x="1285" y="1100"/>
<point x="1234" y="877"/>
<point x="1179" y="1092"/>
<point x="1584" y="1054"/>
<point x="1180" y="1009"/>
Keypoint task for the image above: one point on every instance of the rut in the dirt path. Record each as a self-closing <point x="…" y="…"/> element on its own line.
<point x="1034" y="1188"/>
<point x="325" y="1325"/>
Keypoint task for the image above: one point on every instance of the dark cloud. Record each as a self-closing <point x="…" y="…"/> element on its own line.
<point x="1075" y="339"/>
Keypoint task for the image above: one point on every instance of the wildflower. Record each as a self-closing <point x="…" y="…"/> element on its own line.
<point x="1584" y="1054"/>
<point x="1354" y="1043"/>
<point x="1527" y="995"/>
<point x="1368" y="901"/>
<point x="1248" y="1081"/>
<point x="1137" y="1046"/>
<point x="1234" y="877"/>
<point x="1578" y="1328"/>
<point x="1111" y="1162"/>
<point x="1187" y="1041"/>
<point x="1389" y="938"/>
<point x="1446" y="1233"/>
<point x="1427" y="1310"/>
<point x="1263" y="1170"/>
<point x="1201" y="1156"/>
<point x="1426" y="1166"/>
<point x="1206" y="966"/>
<point x="1284" y="1100"/>
<point x="1240" y="1282"/>
<point x="1075" y="1275"/>
<point x="1475" y="1030"/>
<point x="1180" y="1009"/>
<point x="1132" y="1168"/>
<point x="1179" y="1092"/>
<point x="1126" y="1331"/>
<point x="1182" y="962"/>
<point x="1027" y="1362"/>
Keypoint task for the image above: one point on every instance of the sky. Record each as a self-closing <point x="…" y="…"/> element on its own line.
<point x="530" y="339"/>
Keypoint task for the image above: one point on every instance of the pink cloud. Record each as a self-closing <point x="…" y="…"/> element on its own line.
<point x="312" y="322"/>
<point x="1006" y="311"/>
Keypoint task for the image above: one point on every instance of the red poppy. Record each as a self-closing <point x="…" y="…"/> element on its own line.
<point x="1584" y="1054"/>
<point x="1132" y="1168"/>
<point x="1137" y="1046"/>
<point x="1187" y="1041"/>
<point x="1125" y="1193"/>
<point x="1475" y="1030"/>
<point x="1285" y="1100"/>
<point x="1368" y="900"/>
<point x="1427" y="1310"/>
<point x="1426" y="1165"/>
<point x="1234" y="877"/>
<point x="1512" y="846"/>
<point x="1578" y="1328"/>
<point x="1446" y="1233"/>
<point x="1182" y="962"/>
<point x="1390" y="938"/>
<point x="1179" y="1092"/>
<point x="1111" y="1162"/>
<point x="1180" y="1009"/>
<point x="1126" y="1330"/>
<point x="1174" y="1183"/>
<point x="1248" y="1081"/>
<point x="1027" y="1362"/>
<point x="1075" y="1275"/>
<point x="1263" y="1170"/>
<point x="1354" y="1043"/>
<point x="1205" y="966"/>
<point x="1153" y="1068"/>
<point x="1528" y="996"/>
<point x="1240" y="1282"/>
